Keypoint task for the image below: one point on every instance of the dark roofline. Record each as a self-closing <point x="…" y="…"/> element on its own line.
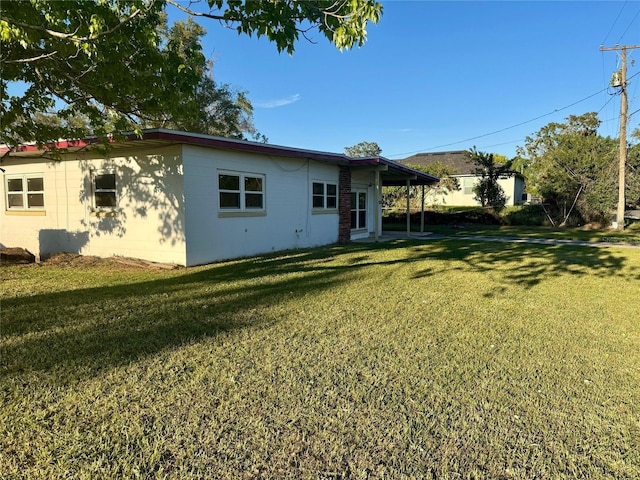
<point x="174" y="136"/>
<point x="438" y="153"/>
<point x="421" y="178"/>
<point x="243" y="145"/>
<point x="197" y="139"/>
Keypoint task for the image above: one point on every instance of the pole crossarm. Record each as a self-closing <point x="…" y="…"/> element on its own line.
<point x="618" y="47"/>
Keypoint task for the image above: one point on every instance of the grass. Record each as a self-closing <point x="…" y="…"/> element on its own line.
<point x="630" y="235"/>
<point x="444" y="359"/>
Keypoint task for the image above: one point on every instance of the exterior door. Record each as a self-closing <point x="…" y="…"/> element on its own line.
<point x="358" y="209"/>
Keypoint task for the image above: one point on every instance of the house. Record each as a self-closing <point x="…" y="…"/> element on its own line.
<point x="189" y="199"/>
<point x="463" y="169"/>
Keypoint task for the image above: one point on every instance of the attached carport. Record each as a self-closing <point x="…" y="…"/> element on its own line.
<point x="393" y="174"/>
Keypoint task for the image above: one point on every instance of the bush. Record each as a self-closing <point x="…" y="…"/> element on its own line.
<point x="473" y="215"/>
<point x="526" y="215"/>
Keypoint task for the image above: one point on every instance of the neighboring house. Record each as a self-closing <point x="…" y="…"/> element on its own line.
<point x="462" y="167"/>
<point x="189" y="199"/>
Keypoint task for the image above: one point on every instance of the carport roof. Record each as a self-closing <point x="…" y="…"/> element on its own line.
<point x="393" y="173"/>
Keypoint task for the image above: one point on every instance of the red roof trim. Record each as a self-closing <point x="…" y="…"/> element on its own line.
<point x="62" y="144"/>
<point x="195" y="139"/>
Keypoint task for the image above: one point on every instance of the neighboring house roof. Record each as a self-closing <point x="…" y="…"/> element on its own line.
<point x="457" y="160"/>
<point x="391" y="171"/>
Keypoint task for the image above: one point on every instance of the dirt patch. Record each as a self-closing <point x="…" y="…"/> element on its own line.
<point x="15" y="255"/>
<point x="74" y="260"/>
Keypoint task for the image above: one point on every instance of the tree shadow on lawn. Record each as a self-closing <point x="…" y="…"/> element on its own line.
<point x="527" y="264"/>
<point x="95" y="328"/>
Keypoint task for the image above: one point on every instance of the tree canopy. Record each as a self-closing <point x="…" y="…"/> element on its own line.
<point x="573" y="168"/>
<point x="363" y="149"/>
<point x="211" y="108"/>
<point x="342" y="22"/>
<point x="114" y="63"/>
<point x="96" y="59"/>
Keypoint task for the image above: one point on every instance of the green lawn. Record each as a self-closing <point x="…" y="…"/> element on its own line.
<point x="446" y="359"/>
<point x="630" y="235"/>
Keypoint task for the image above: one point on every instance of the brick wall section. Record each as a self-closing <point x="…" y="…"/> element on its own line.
<point x="344" y="205"/>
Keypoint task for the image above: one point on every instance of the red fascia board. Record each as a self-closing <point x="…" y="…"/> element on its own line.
<point x="62" y="144"/>
<point x="173" y="136"/>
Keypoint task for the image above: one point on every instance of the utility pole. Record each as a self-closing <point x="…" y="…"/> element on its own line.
<point x="623" y="128"/>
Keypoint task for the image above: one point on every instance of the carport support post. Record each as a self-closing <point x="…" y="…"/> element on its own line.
<point x="408" y="208"/>
<point x="378" y="204"/>
<point x="422" y="211"/>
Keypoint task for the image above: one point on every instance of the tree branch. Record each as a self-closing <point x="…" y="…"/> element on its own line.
<point x="33" y="59"/>
<point x="193" y="13"/>
<point x="71" y="36"/>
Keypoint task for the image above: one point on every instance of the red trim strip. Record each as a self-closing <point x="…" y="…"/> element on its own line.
<point x="237" y="145"/>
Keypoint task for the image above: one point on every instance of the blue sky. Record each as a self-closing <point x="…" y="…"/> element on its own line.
<point x="435" y="75"/>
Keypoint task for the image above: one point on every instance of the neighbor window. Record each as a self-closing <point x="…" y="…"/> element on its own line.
<point x="25" y="192"/>
<point x="241" y="191"/>
<point x="467" y="186"/>
<point x="104" y="190"/>
<point x="325" y="195"/>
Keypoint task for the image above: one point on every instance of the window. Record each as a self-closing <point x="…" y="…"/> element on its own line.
<point x="325" y="195"/>
<point x="467" y="185"/>
<point x="240" y="191"/>
<point x="104" y="190"/>
<point x="358" y="210"/>
<point x="25" y="192"/>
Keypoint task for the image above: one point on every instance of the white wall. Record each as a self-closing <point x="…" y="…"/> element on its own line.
<point x="168" y="206"/>
<point x="22" y="228"/>
<point x="288" y="222"/>
<point x="513" y="188"/>
<point x="148" y="222"/>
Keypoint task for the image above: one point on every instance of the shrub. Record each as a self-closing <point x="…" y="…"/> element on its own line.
<point x="526" y="215"/>
<point x="472" y="215"/>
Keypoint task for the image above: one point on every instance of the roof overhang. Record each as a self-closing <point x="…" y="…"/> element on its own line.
<point x="164" y="137"/>
<point x="395" y="174"/>
<point x="391" y="173"/>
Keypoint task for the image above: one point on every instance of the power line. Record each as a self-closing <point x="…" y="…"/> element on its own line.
<point x="605" y="82"/>
<point x="601" y="122"/>
<point x="606" y="103"/>
<point x="503" y="129"/>
<point x="631" y="23"/>
<point x="502" y="143"/>
<point x="614" y="23"/>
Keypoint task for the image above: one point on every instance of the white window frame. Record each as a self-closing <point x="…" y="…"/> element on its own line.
<point x="242" y="192"/>
<point x="94" y="190"/>
<point x="24" y="192"/>
<point x="467" y="185"/>
<point x="324" y="196"/>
